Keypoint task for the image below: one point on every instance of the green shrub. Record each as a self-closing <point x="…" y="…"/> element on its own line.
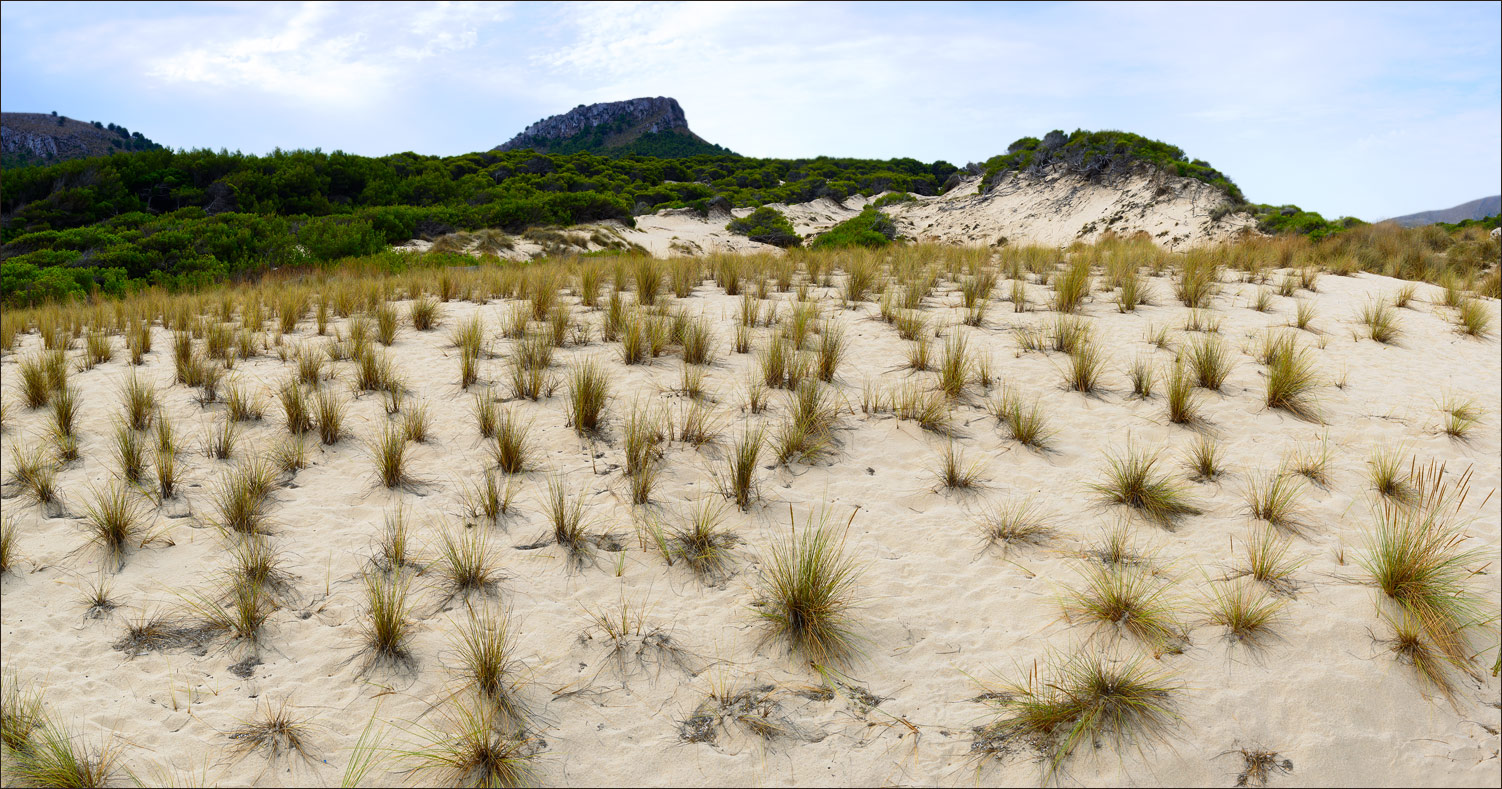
<point x="766" y="225"/>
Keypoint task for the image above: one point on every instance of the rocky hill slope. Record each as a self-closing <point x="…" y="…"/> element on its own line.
<point x="37" y="138"/>
<point x="644" y="127"/>
<point x="1476" y="209"/>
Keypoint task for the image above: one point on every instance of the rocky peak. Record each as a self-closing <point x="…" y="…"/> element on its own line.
<point x="634" y="116"/>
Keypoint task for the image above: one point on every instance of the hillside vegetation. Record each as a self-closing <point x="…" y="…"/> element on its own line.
<point x="34" y="138"/>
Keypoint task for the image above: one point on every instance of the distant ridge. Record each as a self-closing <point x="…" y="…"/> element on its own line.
<point x="640" y="127"/>
<point x="40" y="138"/>
<point x="1476" y="209"/>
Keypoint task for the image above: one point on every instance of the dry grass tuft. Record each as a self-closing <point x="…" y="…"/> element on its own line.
<point x="1131" y="480"/>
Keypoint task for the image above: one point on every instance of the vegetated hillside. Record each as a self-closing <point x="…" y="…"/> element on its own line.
<point x="28" y="138"/>
<point x="635" y="127"/>
<point x="1475" y="209"/>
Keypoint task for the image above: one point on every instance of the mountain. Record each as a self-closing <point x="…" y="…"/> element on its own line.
<point x="1476" y="209"/>
<point x="35" y="138"/>
<point x="635" y="127"/>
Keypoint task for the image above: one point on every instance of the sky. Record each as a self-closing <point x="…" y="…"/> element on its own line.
<point x="1369" y="110"/>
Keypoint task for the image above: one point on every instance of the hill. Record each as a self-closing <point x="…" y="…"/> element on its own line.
<point x="28" y="138"/>
<point x="635" y="127"/>
<point x="1476" y="209"/>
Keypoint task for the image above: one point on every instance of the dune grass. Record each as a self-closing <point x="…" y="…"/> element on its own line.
<point x="8" y="553"/>
<point x="1381" y="321"/>
<point x="1203" y="458"/>
<point x="1385" y="471"/>
<point x="1417" y="558"/>
<point x="1017" y="523"/>
<point x="1081" y="699"/>
<point x="386" y="629"/>
<point x="240" y="612"/>
<point x="738" y="478"/>
<point x="1273" y="497"/>
<point x="475" y="748"/>
<point x="1267" y="560"/>
<point x="239" y="498"/>
<point x="954" y="472"/>
<point x="465" y="561"/>
<point x="1132" y="481"/>
<point x="114" y="518"/>
<point x="34" y="472"/>
<point x="274" y="732"/>
<point x="1210" y="360"/>
<point x="485" y="649"/>
<point x="1181" y="397"/>
<point x="699" y="539"/>
<point x="1473" y="318"/>
<point x="1458" y="415"/>
<point x="1246" y="612"/>
<point x="54" y="756"/>
<point x="809" y="593"/>
<point x="1127" y="600"/>
<point x="329" y="410"/>
<point x="139" y="400"/>
<point x="512" y="450"/>
<point x="1087" y="363"/>
<point x="388" y="450"/>
<point x="220" y="442"/>
<point x="565" y="519"/>
<point x="1026" y="424"/>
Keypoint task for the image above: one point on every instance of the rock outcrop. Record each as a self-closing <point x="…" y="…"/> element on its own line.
<point x="37" y="138"/>
<point x="650" y="126"/>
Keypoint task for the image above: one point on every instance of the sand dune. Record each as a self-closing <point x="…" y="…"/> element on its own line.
<point x="940" y="615"/>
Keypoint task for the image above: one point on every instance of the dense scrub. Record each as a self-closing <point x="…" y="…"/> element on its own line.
<point x="766" y="225"/>
<point x="1100" y="153"/>
<point x="869" y="228"/>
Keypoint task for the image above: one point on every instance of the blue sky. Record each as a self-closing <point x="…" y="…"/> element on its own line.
<point x="1371" y="110"/>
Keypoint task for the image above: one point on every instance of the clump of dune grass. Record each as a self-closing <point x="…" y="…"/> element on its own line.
<point x="1385" y="470"/>
<point x="809" y="592"/>
<point x="425" y="313"/>
<point x="114" y="518"/>
<point x="243" y="405"/>
<point x="955" y="366"/>
<point x="256" y="560"/>
<point x="512" y="451"/>
<point x="1204" y="459"/>
<point x="465" y="562"/>
<point x="22" y="713"/>
<point x="1245" y="610"/>
<point x="476" y="748"/>
<point x="489" y="499"/>
<point x="8" y="553"/>
<point x="241" y="496"/>
<point x="53" y="756"/>
<point x="1132" y="481"/>
<point x="139" y="399"/>
<point x="240" y="613"/>
<point x="1182" y="399"/>
<point x="1267" y="561"/>
<point x="806" y="433"/>
<point x="699" y="539"/>
<point x="389" y="452"/>
<point x="1130" y="600"/>
<point x="36" y="389"/>
<point x="394" y="552"/>
<point x="530" y="360"/>
<point x="738" y="480"/>
<point x="220" y="441"/>
<point x="1026" y="424"/>
<point x="329" y="410"/>
<point x="954" y="472"/>
<point x="417" y="423"/>
<point x="1291" y="380"/>
<point x="1458" y="416"/>
<point x="274" y="732"/>
<point x="1087" y="362"/>
<point x="487" y="413"/>
<point x="386" y="630"/>
<point x="1082" y="699"/>
<point x="1303" y="314"/>
<point x="1311" y="461"/>
<point x="699" y="425"/>
<point x="1273" y="497"/>
<point x="290" y="455"/>
<point x="1017" y="523"/>
<point x="1071" y="287"/>
<point x="1210" y="360"/>
<point x="296" y="409"/>
<point x="485" y="649"/>
<point x="698" y="342"/>
<point x="565" y="519"/>
<point x="1381" y="321"/>
<point x="65" y="409"/>
<point x="1473" y="319"/>
<point x="387" y="322"/>
<point x="1141" y="376"/>
<point x="1417" y="558"/>
<point x="34" y="473"/>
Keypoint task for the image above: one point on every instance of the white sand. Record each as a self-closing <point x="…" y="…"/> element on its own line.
<point x="938" y="609"/>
